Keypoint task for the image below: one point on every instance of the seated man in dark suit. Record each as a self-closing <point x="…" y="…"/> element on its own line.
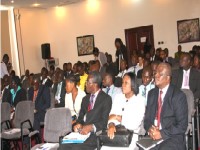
<point x="166" y="115"/>
<point x="39" y="94"/>
<point x="93" y="116"/>
<point x="165" y="58"/>
<point x="187" y="77"/>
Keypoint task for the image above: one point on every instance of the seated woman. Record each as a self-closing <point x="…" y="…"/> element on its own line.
<point x="128" y="110"/>
<point x="73" y="96"/>
<point x="16" y="92"/>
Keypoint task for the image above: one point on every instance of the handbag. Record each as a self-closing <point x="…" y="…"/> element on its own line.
<point x="122" y="138"/>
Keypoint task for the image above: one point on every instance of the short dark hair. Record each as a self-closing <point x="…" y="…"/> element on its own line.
<point x="95" y="50"/>
<point x="134" y="82"/>
<point x="73" y="78"/>
<point x="96" y="77"/>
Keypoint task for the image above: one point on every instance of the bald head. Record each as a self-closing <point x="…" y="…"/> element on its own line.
<point x="163" y="75"/>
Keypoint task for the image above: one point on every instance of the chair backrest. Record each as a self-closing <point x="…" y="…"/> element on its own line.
<point x="190" y="101"/>
<point x="5" y="111"/>
<point x="24" y="111"/>
<point x="56" y="121"/>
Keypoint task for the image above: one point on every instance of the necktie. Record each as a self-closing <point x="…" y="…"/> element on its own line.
<point x="159" y="108"/>
<point x="108" y="89"/>
<point x="144" y="92"/>
<point x="90" y="106"/>
<point x="35" y="95"/>
<point x="186" y="79"/>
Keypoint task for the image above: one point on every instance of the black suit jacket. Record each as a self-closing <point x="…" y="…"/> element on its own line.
<point x="174" y="116"/>
<point x="194" y="80"/>
<point x="20" y="96"/>
<point x="99" y="114"/>
<point x="43" y="99"/>
<point x="48" y="83"/>
<point x="62" y="94"/>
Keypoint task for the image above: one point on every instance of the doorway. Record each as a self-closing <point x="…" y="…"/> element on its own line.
<point x="136" y="38"/>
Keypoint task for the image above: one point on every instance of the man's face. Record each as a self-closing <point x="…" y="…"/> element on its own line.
<point x="89" y="84"/>
<point x="162" y="55"/>
<point x="123" y="65"/>
<point x="106" y="80"/>
<point x="134" y="60"/>
<point x="146" y="78"/>
<point x="44" y="75"/>
<point x="69" y="67"/>
<point x="80" y="71"/>
<point x="185" y="61"/>
<point x="161" y="77"/>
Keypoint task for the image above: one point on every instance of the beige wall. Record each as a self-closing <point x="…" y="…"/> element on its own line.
<point x="5" y="37"/>
<point x="31" y="32"/>
<point x="106" y="20"/>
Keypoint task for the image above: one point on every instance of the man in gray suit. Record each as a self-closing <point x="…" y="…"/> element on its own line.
<point x="166" y="115"/>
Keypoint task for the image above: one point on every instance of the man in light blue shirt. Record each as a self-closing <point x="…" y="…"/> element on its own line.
<point x="110" y="89"/>
<point x="147" y="84"/>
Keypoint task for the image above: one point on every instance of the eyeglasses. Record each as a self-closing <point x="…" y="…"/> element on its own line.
<point x="160" y="74"/>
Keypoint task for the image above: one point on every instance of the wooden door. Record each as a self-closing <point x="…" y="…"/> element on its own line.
<point x="136" y="38"/>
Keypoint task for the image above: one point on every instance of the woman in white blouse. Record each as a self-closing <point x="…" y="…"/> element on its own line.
<point x="73" y="96"/>
<point x="128" y="109"/>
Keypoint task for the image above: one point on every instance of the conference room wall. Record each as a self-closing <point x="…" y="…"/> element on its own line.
<point x="104" y="19"/>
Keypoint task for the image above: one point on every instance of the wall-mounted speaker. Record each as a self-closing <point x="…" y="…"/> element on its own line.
<point x="46" y="51"/>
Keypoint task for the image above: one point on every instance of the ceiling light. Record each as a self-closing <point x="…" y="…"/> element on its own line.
<point x="12" y="1"/>
<point x="36" y="5"/>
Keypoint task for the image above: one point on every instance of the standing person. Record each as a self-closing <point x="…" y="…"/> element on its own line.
<point x="128" y="110"/>
<point x="121" y="51"/>
<point x="93" y="116"/>
<point x="73" y="96"/>
<point x="4" y="63"/>
<point x="196" y="63"/>
<point x="100" y="56"/>
<point x="177" y="55"/>
<point x="40" y="94"/>
<point x="166" y="115"/>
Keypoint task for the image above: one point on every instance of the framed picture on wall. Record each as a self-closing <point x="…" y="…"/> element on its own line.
<point x="85" y="45"/>
<point x="188" y="30"/>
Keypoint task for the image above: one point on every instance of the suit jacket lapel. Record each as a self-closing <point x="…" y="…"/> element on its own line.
<point x="97" y="102"/>
<point x="167" y="97"/>
<point x="180" y="77"/>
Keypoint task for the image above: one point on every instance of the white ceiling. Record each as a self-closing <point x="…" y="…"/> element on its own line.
<point x="43" y="3"/>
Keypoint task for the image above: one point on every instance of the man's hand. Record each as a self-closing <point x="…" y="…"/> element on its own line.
<point x="154" y="133"/>
<point x="115" y="117"/>
<point x="86" y="129"/>
<point x="78" y="127"/>
<point x="111" y="131"/>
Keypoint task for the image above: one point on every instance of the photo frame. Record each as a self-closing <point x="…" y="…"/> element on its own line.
<point x="188" y="30"/>
<point x="85" y="45"/>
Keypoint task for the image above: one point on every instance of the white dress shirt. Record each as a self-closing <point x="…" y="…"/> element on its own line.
<point x="132" y="112"/>
<point x="122" y="73"/>
<point x="135" y="68"/>
<point x="3" y="70"/>
<point x="113" y="91"/>
<point x="164" y="91"/>
<point x="186" y="73"/>
<point x="74" y="106"/>
<point x="58" y="91"/>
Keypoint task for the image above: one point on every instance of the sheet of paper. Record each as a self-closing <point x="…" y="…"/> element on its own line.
<point x="46" y="146"/>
